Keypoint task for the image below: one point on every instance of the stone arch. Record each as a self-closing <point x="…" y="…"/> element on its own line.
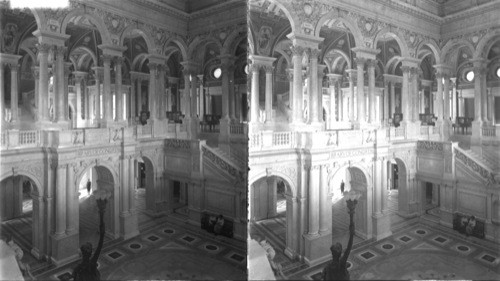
<point x="293" y="19"/>
<point x="403" y="184"/>
<point x="251" y="42"/>
<point x="202" y="40"/>
<point x="129" y="29"/>
<point x="39" y="227"/>
<point x="344" y="56"/>
<point x="363" y="220"/>
<point x="353" y="28"/>
<point x="285" y="55"/>
<point x="391" y="65"/>
<point x="109" y="178"/>
<point x="138" y="61"/>
<point x="21" y="172"/>
<point x="99" y="22"/>
<point x="77" y="64"/>
<point x="392" y="32"/>
<point x="151" y="174"/>
<point x="433" y="47"/>
<point x="485" y="43"/>
<point x="39" y="18"/>
<point x="450" y="46"/>
<point x="272" y="172"/>
<point x="183" y="48"/>
<point x="233" y="39"/>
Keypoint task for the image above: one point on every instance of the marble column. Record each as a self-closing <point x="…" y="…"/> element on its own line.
<point x="446" y="95"/>
<point x="393" y="99"/>
<point x="371" y="91"/>
<point x="414" y="94"/>
<point x="60" y="201"/>
<point x="351" y="73"/>
<point x="405" y="94"/>
<point x="225" y="64"/>
<point x="314" y="96"/>
<point x="152" y="101"/>
<point x="14" y="92"/>
<point x="43" y="88"/>
<point x="194" y="85"/>
<point x="202" y="96"/>
<point x="231" y="96"/>
<point x="186" y="101"/>
<point x="290" y="87"/>
<point x="360" y="63"/>
<point x="36" y="76"/>
<point x="325" y="202"/>
<point x="97" y="72"/>
<point x="484" y="95"/>
<point x="386" y="103"/>
<point x="131" y="189"/>
<point x="125" y="180"/>
<point x="439" y="96"/>
<point x="118" y="89"/>
<point x="59" y="85"/>
<point x="332" y="82"/>
<point x="132" y="99"/>
<point x="2" y="90"/>
<point x="269" y="93"/>
<point x="107" y="99"/>
<point x="254" y="98"/>
<point x="139" y="96"/>
<point x="385" y="186"/>
<point x="297" y="53"/>
<point x="71" y="200"/>
<point x="314" y="176"/>
<point x="79" y="76"/>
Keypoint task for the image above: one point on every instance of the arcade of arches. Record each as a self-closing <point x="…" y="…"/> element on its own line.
<point x="396" y="100"/>
<point x="148" y="109"/>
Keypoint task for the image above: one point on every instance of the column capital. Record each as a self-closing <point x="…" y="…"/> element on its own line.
<point x="313" y="53"/>
<point x="289" y="73"/>
<point x="14" y="67"/>
<point x="118" y="60"/>
<point x="36" y="72"/>
<point x="262" y="60"/>
<point x="304" y="40"/>
<point x="297" y="50"/>
<point x="112" y="50"/>
<point x="371" y="63"/>
<point x="366" y="53"/>
<point x="268" y="68"/>
<point x="80" y="75"/>
<point x="60" y="50"/>
<point x="189" y="67"/>
<point x="406" y="69"/>
<point x="333" y="78"/>
<point x="321" y="69"/>
<point x="9" y="59"/>
<point x="442" y="69"/>
<point x="106" y="58"/>
<point x="255" y="67"/>
<point x="360" y="62"/>
<point x="43" y="48"/>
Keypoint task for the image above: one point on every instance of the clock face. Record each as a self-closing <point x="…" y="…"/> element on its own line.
<point x="307" y="9"/>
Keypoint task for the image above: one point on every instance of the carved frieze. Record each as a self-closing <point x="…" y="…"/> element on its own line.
<point x="430" y="145"/>
<point x="98" y="151"/>
<point x="178" y="144"/>
<point x="351" y="153"/>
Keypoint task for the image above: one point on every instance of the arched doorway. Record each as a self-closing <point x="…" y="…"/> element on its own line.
<point x="20" y="213"/>
<point x="398" y="195"/>
<point x="100" y="178"/>
<point x="353" y="179"/>
<point x="271" y="213"/>
<point x="145" y="194"/>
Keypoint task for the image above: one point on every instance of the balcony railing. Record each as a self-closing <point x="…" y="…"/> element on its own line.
<point x="488" y="132"/>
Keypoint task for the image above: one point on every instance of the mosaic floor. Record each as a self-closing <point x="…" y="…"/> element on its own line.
<point x="167" y="248"/>
<point x="420" y="251"/>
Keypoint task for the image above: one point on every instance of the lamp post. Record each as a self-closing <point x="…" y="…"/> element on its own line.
<point x="87" y="269"/>
<point x="337" y="268"/>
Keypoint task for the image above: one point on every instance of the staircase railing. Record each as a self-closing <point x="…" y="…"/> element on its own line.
<point x="476" y="165"/>
<point x="221" y="162"/>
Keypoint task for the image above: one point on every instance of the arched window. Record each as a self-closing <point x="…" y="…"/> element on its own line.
<point x="469" y="76"/>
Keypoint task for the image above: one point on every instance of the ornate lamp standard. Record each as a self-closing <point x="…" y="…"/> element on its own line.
<point x="337" y="268"/>
<point x="87" y="269"/>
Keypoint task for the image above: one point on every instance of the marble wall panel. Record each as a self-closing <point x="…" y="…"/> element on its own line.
<point x="471" y="203"/>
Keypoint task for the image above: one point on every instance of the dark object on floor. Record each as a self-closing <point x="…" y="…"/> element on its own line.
<point x="87" y="269"/>
<point x="468" y="225"/>
<point x="209" y="223"/>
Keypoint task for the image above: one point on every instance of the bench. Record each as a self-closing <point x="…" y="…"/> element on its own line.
<point x="478" y="230"/>
<point x="227" y="227"/>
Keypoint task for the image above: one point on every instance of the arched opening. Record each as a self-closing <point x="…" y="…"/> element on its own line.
<point x="348" y="179"/>
<point x="144" y="185"/>
<point x="398" y="191"/>
<point x="180" y="197"/>
<point x="20" y="213"/>
<point x="93" y="179"/>
<point x="271" y="215"/>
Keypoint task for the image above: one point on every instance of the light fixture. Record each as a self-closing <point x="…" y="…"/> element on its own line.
<point x="498" y="72"/>
<point x="352" y="195"/>
<point x="217" y="73"/>
<point x="469" y="76"/>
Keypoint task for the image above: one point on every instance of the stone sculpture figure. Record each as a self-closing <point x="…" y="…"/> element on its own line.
<point x="87" y="269"/>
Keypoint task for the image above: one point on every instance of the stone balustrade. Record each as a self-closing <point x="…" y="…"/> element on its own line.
<point x="20" y="139"/>
<point x="488" y="132"/>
